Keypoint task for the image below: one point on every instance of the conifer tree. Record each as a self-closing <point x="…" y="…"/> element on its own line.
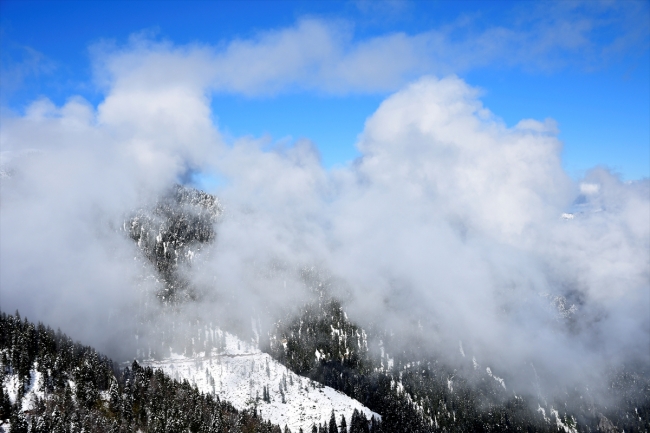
<point x="5" y="403"/>
<point x="343" y="428"/>
<point x="332" y="425"/>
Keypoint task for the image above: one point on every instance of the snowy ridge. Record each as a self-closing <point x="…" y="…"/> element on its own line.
<point x="248" y="378"/>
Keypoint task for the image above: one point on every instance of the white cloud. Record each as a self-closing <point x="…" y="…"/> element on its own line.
<point x="75" y="173"/>
<point x="589" y="188"/>
<point x="325" y="56"/>
<point x="449" y="216"/>
<point x="450" y="149"/>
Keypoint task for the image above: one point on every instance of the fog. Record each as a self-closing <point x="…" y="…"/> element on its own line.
<point x="451" y="228"/>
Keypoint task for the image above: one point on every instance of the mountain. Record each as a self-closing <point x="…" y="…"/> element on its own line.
<point x="312" y="368"/>
<point x="412" y="393"/>
<point x="171" y="232"/>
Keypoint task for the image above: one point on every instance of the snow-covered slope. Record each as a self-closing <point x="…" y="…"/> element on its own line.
<point x="33" y="391"/>
<point x="243" y="375"/>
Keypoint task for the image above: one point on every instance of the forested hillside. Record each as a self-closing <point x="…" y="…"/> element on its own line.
<point x="51" y="384"/>
<point x="422" y="395"/>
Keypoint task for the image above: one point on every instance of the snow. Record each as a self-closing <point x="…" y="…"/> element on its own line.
<point x="541" y="410"/>
<point x="11" y="385"/>
<point x="558" y="420"/>
<point x="560" y="424"/>
<point x="34" y="390"/>
<point x="240" y="372"/>
<point x="498" y="379"/>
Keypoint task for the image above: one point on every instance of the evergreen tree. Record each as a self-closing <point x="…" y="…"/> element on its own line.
<point x="332" y="425"/>
<point x="5" y="402"/>
<point x="18" y="422"/>
<point x="359" y="423"/>
<point x="343" y="427"/>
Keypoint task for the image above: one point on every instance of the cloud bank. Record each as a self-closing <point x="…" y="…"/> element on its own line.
<point x="449" y="218"/>
<point x="327" y="56"/>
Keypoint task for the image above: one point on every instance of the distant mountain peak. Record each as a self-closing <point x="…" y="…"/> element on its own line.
<point x="171" y="232"/>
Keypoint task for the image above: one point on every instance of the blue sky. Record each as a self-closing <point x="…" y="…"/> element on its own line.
<point x="586" y="65"/>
